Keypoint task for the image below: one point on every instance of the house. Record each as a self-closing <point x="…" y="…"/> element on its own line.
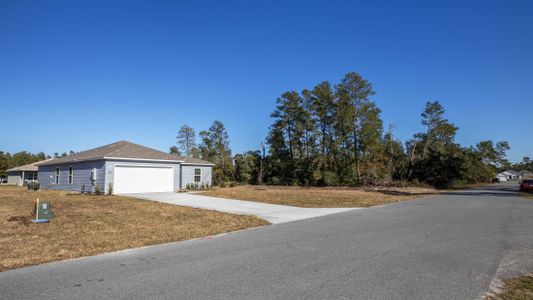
<point x="508" y="176"/>
<point x="526" y="174"/>
<point x="23" y="174"/>
<point x="126" y="168"/>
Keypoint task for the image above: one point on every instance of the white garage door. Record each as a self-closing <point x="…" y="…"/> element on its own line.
<point x="135" y="179"/>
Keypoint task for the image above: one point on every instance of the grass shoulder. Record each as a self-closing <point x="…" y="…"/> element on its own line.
<point x="526" y="195"/>
<point x="87" y="225"/>
<point x="519" y="288"/>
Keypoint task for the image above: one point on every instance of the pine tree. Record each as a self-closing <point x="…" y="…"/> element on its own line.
<point x="320" y="103"/>
<point x="215" y="148"/>
<point x="174" y="151"/>
<point x="186" y="140"/>
<point x="360" y="119"/>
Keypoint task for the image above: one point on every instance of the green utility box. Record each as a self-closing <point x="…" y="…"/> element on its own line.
<point x="44" y="209"/>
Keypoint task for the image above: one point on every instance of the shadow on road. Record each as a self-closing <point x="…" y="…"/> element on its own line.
<point x="399" y="193"/>
<point x="500" y="190"/>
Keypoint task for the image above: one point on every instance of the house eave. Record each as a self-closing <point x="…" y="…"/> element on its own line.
<point x="198" y="164"/>
<point x="110" y="158"/>
<point x="142" y="159"/>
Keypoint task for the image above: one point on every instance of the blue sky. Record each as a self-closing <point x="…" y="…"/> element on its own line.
<point x="79" y="74"/>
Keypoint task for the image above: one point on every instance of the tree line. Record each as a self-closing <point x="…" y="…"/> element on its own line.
<point x="8" y="160"/>
<point x="333" y="135"/>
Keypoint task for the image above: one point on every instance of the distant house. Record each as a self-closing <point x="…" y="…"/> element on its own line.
<point x="508" y="175"/>
<point x="23" y="174"/>
<point x="126" y="167"/>
<point x="526" y="174"/>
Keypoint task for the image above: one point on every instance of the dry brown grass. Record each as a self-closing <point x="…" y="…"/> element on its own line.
<point x="520" y="288"/>
<point x="87" y="225"/>
<point x="526" y="195"/>
<point x="321" y="197"/>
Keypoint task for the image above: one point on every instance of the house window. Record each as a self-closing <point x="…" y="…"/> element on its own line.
<point x="197" y="175"/>
<point x="31" y="176"/>
<point x="70" y="175"/>
<point x="57" y="176"/>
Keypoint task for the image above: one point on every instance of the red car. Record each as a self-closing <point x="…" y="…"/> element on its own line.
<point x="526" y="185"/>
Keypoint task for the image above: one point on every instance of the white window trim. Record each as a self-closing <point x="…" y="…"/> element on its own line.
<point x="200" y="175"/>
<point x="70" y="175"/>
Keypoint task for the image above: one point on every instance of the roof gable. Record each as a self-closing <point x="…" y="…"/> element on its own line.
<point x="194" y="160"/>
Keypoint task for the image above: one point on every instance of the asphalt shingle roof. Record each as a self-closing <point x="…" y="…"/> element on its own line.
<point x="123" y="149"/>
<point x="29" y="167"/>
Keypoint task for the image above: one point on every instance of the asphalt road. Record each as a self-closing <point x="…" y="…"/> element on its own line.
<point x="442" y="247"/>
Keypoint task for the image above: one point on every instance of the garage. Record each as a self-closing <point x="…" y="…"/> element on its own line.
<point x="143" y="179"/>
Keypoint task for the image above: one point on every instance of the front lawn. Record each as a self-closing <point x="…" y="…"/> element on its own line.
<point x="320" y="197"/>
<point x="527" y="195"/>
<point x="87" y="225"/>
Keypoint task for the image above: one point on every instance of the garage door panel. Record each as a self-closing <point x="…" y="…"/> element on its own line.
<point x="140" y="179"/>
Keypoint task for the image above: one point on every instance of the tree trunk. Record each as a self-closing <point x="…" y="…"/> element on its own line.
<point x="411" y="160"/>
<point x="425" y="149"/>
<point x="356" y="156"/>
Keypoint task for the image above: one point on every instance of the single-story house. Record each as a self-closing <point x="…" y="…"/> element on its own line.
<point x="526" y="174"/>
<point x="508" y="175"/>
<point x="23" y="174"/>
<point x="126" y="167"/>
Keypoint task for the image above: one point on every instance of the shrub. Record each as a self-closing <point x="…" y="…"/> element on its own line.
<point x="197" y="186"/>
<point x="97" y="191"/>
<point x="275" y="180"/>
<point x="331" y="178"/>
<point x="110" y="189"/>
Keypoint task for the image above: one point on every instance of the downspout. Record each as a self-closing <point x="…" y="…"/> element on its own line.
<point x="181" y="176"/>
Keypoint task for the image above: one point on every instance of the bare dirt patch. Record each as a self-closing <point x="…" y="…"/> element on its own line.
<point x="321" y="197"/>
<point x="87" y="225"/>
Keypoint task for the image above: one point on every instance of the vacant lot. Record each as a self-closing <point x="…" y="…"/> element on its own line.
<point x="520" y="288"/>
<point x="320" y="197"/>
<point x="87" y="225"/>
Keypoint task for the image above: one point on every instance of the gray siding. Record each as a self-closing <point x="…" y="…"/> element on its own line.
<point x="110" y="170"/>
<point x="105" y="171"/>
<point x="14" y="178"/>
<point x="187" y="174"/>
<point x="82" y="176"/>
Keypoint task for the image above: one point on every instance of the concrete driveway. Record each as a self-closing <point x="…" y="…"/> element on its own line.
<point x="273" y="213"/>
